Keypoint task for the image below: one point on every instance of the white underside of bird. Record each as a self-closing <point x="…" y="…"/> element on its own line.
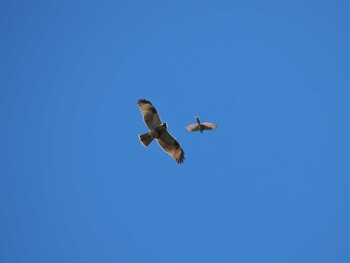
<point x="201" y="126"/>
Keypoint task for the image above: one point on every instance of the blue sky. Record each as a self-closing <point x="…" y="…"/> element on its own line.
<point x="271" y="184"/>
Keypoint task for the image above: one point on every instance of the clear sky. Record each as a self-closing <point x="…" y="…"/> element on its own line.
<point x="271" y="184"/>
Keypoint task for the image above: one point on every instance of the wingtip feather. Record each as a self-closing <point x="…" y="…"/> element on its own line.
<point x="143" y="101"/>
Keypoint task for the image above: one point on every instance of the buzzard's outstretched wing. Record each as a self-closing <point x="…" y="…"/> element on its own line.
<point x="171" y="146"/>
<point x="208" y="126"/>
<point x="149" y="113"/>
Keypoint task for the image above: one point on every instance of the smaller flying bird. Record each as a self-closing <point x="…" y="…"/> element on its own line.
<point x="158" y="131"/>
<point x="201" y="126"/>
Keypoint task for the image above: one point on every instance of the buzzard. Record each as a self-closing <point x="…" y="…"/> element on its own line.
<point x="158" y="130"/>
<point x="201" y="126"/>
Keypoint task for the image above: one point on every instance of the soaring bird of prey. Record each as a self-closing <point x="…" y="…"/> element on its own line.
<point x="158" y="130"/>
<point x="201" y="126"/>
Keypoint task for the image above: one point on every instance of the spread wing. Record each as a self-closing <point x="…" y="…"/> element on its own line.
<point x="149" y="113"/>
<point x="208" y="126"/>
<point x="171" y="146"/>
<point x="193" y="127"/>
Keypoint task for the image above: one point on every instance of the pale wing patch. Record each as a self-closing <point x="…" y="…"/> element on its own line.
<point x="171" y="146"/>
<point x="149" y="113"/>
<point x="193" y="127"/>
<point x="208" y="126"/>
